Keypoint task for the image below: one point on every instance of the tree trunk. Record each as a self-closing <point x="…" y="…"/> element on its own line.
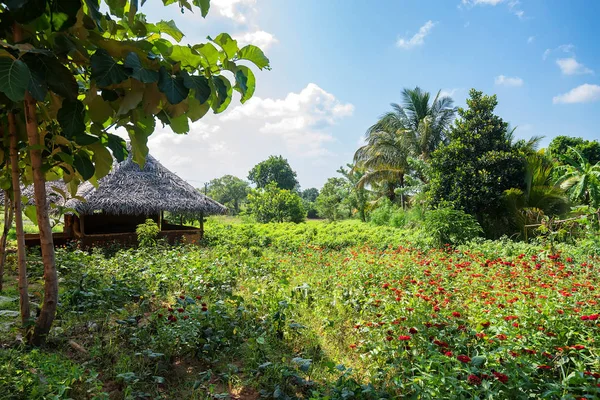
<point x="48" y="312"/>
<point x="16" y="184"/>
<point x="8" y="217"/>
<point x="402" y="193"/>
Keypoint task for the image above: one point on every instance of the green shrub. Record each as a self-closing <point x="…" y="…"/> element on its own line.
<point x="273" y="204"/>
<point x="449" y="226"/>
<point x="147" y="233"/>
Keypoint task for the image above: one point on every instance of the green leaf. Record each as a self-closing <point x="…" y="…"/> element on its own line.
<point x="37" y="86"/>
<point x="179" y="124"/>
<point x="210" y="53"/>
<point x="31" y="213"/>
<point x="118" y="146"/>
<point x="170" y="29"/>
<point x="229" y="45"/>
<point x="132" y="62"/>
<point x="100" y="110"/>
<point x="71" y="118"/>
<point x="255" y="55"/>
<point x="94" y="11"/>
<point x="83" y="165"/>
<point x="139" y="145"/>
<point x="199" y="84"/>
<point x="109" y="95"/>
<point x="56" y="75"/>
<point x="245" y="82"/>
<point x="222" y="95"/>
<point x="14" y="78"/>
<point x="105" y="71"/>
<point x="102" y="160"/>
<point x="85" y="139"/>
<point x="204" y="6"/>
<point x="131" y="100"/>
<point x="186" y="56"/>
<point x="196" y="110"/>
<point x="172" y="86"/>
<point x="26" y="11"/>
<point x="64" y="13"/>
<point x="478" y="361"/>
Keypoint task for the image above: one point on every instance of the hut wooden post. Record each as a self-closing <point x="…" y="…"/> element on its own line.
<point x="160" y="220"/>
<point x="81" y="225"/>
<point x="201" y="225"/>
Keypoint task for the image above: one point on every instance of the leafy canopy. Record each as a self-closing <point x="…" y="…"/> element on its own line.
<point x="275" y="169"/>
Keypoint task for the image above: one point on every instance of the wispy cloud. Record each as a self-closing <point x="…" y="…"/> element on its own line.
<point x="418" y="38"/>
<point x="259" y="38"/>
<point x="514" y="6"/>
<point x="570" y="66"/>
<point x="530" y="39"/>
<point x="585" y="93"/>
<point x="503" y="80"/>
<point x="564" y="48"/>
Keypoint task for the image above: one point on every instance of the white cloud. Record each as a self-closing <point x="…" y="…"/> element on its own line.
<point x="448" y="92"/>
<point x="236" y="10"/>
<point x="530" y="39"/>
<point x="585" y="93"/>
<point x="481" y="2"/>
<point x="418" y="38"/>
<point x="564" y="48"/>
<point x="259" y="38"/>
<point x="508" y="81"/>
<point x="513" y="5"/>
<point x="570" y="66"/>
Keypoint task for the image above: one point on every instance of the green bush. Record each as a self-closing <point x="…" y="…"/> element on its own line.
<point x="449" y="226"/>
<point x="273" y="204"/>
<point x="147" y="233"/>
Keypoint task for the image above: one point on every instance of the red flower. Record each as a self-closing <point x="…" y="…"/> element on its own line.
<point x="353" y="346"/>
<point x="198" y="297"/>
<point x="456" y="314"/>
<point x="180" y="310"/>
<point x="182" y="297"/>
<point x="543" y="366"/>
<point x="463" y="358"/>
<point x="389" y="338"/>
<point x="186" y="316"/>
<point x="501" y="336"/>
<point x="448" y="354"/>
<point x="404" y="337"/>
<point x="486" y="324"/>
<point x="578" y="347"/>
<point x="474" y="380"/>
<point x="500" y="376"/>
<point x="413" y="331"/>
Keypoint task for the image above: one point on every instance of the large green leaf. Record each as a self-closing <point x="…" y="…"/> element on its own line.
<point x="229" y="45"/>
<point x="70" y="117"/>
<point x="255" y="55"/>
<point x="24" y="11"/>
<point x="31" y="213"/>
<point x="137" y="70"/>
<point x="139" y="145"/>
<point x="199" y="84"/>
<point x="186" y="56"/>
<point x="210" y="53"/>
<point x="172" y="86"/>
<point x="245" y="82"/>
<point x="102" y="160"/>
<point x="58" y="77"/>
<point x="83" y="165"/>
<point x="94" y="12"/>
<point x="105" y="70"/>
<point x="196" y="110"/>
<point x="37" y="86"/>
<point x="222" y="94"/>
<point x="99" y="110"/>
<point x="64" y="13"/>
<point x="118" y="146"/>
<point x="14" y="78"/>
<point x="179" y="124"/>
<point x="170" y="29"/>
<point x="131" y="100"/>
<point x="204" y="6"/>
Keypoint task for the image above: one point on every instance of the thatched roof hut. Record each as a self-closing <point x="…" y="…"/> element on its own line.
<point x="131" y="190"/>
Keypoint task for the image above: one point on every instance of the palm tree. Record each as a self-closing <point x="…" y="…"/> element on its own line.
<point x="414" y="129"/>
<point x="540" y="197"/>
<point x="581" y="179"/>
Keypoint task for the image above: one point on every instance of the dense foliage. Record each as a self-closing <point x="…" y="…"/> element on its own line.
<point x="321" y="311"/>
<point x="230" y="191"/>
<point x="478" y="164"/>
<point x="273" y="204"/>
<point x="274" y="169"/>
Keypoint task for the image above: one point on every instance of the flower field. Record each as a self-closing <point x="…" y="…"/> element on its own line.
<point x="253" y="315"/>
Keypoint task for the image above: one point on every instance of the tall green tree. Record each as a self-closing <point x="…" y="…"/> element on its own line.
<point x="478" y="164"/>
<point x="560" y="149"/>
<point x="72" y="70"/>
<point x="581" y="179"/>
<point x="273" y="204"/>
<point x="330" y="203"/>
<point x="230" y="191"/>
<point x="274" y="169"/>
<point x="414" y="128"/>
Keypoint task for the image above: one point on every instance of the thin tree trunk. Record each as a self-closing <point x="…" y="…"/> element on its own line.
<point x="21" y="261"/>
<point x="8" y="219"/>
<point x="48" y="312"/>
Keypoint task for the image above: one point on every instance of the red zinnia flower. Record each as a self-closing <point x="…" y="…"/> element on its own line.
<point x="404" y="337"/>
<point x="543" y="366"/>
<point x="500" y="376"/>
<point x="463" y="358"/>
<point x="456" y="314"/>
<point x="474" y="380"/>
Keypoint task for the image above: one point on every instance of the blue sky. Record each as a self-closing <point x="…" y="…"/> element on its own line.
<point x="337" y="64"/>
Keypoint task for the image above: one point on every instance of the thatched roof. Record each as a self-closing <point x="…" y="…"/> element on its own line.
<point x="130" y="190"/>
<point x="127" y="189"/>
